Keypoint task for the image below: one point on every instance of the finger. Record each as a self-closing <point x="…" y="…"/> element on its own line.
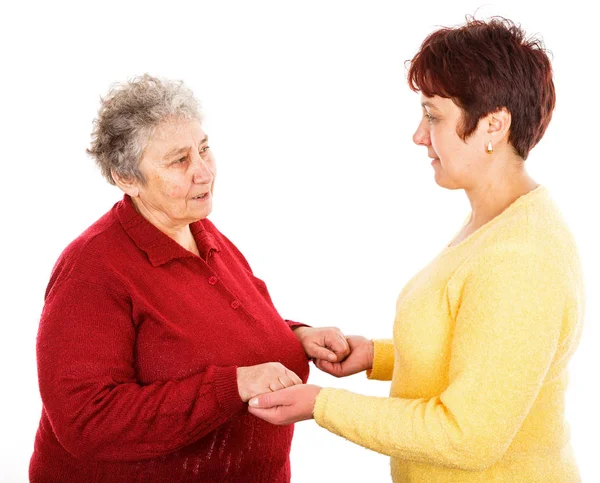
<point x="337" y="343"/>
<point x="268" y="400"/>
<point x="318" y="352"/>
<point x="286" y="381"/>
<point x="292" y="375"/>
<point x="270" y="415"/>
<point x="276" y="386"/>
<point x="335" y="369"/>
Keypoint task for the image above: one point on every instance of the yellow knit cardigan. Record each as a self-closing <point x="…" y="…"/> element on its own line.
<point x="478" y="359"/>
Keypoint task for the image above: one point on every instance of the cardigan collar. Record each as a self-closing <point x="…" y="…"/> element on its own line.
<point x="159" y="247"/>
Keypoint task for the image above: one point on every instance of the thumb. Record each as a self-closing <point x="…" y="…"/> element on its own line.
<point x="335" y="369"/>
<point x="267" y="400"/>
<point x="283" y="397"/>
<point x="262" y="401"/>
<point x="318" y="352"/>
<point x="324" y="365"/>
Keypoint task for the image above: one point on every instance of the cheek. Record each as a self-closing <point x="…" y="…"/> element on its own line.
<point x="169" y="188"/>
<point x="446" y="143"/>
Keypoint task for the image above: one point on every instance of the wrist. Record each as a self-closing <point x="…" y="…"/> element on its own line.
<point x="299" y="331"/>
<point x="239" y="372"/>
<point x="314" y="401"/>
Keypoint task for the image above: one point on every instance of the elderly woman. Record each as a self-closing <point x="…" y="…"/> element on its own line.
<point x="155" y="332"/>
<point x="483" y="334"/>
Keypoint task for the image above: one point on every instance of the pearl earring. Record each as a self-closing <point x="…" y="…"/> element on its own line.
<point x="490" y="148"/>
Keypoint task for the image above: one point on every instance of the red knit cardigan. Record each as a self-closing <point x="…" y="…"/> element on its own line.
<point x="137" y="349"/>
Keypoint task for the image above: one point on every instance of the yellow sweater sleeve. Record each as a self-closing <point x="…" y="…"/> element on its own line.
<point x="383" y="360"/>
<point x="507" y="330"/>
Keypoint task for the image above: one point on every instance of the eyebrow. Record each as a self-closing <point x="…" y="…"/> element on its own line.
<point x="429" y="104"/>
<point x="175" y="151"/>
<point x="183" y="149"/>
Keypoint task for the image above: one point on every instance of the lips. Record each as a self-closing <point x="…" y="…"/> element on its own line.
<point x="201" y="196"/>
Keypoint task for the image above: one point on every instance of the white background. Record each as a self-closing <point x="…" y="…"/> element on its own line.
<point x="319" y="184"/>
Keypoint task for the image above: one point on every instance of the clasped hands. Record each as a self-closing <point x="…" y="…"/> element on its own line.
<point x="277" y="395"/>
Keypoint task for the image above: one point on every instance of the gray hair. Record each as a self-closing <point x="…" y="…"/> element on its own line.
<point x="129" y="115"/>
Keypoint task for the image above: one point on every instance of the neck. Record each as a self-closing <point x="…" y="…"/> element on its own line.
<point x="498" y="192"/>
<point x="180" y="233"/>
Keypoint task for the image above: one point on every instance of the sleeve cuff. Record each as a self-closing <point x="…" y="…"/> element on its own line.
<point x="294" y="325"/>
<point x="321" y="405"/>
<point x="383" y="360"/>
<point x="335" y="410"/>
<point x="226" y="387"/>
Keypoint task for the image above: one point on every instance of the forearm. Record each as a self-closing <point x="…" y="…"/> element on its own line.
<point x="101" y="419"/>
<point x="419" y="430"/>
<point x="92" y="392"/>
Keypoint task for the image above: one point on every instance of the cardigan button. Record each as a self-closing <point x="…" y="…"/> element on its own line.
<point x="212" y="280"/>
<point x="235" y="304"/>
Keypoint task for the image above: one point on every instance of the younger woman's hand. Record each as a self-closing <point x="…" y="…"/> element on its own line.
<point x="360" y="358"/>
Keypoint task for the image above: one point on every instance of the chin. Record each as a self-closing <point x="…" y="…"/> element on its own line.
<point x="446" y="183"/>
<point x="206" y="212"/>
<point x="195" y="216"/>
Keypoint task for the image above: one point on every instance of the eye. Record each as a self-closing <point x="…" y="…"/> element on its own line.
<point x="179" y="161"/>
<point x="203" y="149"/>
<point x="429" y="117"/>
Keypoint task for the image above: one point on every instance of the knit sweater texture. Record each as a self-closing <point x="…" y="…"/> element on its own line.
<point x="478" y="359"/>
<point x="138" y="348"/>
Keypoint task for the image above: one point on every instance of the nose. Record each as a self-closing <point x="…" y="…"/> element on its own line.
<point x="421" y="135"/>
<point x="203" y="169"/>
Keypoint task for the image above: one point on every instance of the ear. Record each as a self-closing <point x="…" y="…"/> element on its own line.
<point x="499" y="125"/>
<point x="129" y="186"/>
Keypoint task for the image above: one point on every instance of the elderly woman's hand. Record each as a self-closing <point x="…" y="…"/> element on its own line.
<point x="271" y="376"/>
<point x="323" y="343"/>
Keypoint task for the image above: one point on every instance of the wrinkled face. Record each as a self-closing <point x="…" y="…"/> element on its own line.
<point x="179" y="172"/>
<point x="457" y="164"/>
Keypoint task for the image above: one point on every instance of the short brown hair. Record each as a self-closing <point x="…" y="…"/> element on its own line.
<point x="484" y="66"/>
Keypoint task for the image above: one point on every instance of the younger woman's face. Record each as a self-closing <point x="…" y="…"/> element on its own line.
<point x="457" y="164"/>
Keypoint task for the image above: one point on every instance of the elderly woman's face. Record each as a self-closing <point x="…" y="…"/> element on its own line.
<point x="179" y="172"/>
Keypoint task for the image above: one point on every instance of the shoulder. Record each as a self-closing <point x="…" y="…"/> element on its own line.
<point x="520" y="270"/>
<point x="530" y="235"/>
<point x="93" y="253"/>
<point x="538" y="225"/>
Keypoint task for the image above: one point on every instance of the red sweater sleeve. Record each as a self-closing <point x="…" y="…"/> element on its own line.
<point x="97" y="408"/>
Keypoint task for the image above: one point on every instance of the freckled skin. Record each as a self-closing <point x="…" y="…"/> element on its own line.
<point x="173" y="180"/>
